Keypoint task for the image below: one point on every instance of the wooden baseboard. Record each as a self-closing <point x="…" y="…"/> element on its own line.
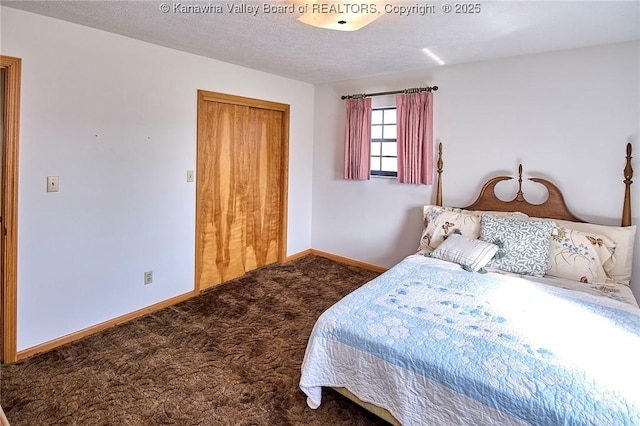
<point x="297" y="255"/>
<point x="47" y="346"/>
<point x="349" y="261"/>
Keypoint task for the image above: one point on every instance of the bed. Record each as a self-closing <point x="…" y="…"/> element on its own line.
<point x="509" y="314"/>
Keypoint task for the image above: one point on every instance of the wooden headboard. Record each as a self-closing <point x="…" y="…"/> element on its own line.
<point x="554" y="207"/>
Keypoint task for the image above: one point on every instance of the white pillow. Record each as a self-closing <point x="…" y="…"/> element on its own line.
<point x="470" y="253"/>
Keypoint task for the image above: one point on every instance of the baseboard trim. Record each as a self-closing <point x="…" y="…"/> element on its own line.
<point x="47" y="346"/>
<point x="298" y="255"/>
<point x="349" y="261"/>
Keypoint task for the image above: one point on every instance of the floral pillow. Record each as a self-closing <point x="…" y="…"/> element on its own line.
<point x="619" y="267"/>
<point x="524" y="244"/>
<point x="470" y="253"/>
<point x="441" y="222"/>
<point x="580" y="256"/>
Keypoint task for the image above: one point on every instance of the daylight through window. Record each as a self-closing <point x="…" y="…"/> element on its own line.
<point x="384" y="145"/>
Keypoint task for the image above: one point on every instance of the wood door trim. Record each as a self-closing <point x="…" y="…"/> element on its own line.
<point x="284" y="186"/>
<point x="205" y="96"/>
<point x="9" y="285"/>
<point x="242" y="101"/>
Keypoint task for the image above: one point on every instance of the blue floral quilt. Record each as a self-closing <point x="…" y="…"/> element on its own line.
<point x="435" y="344"/>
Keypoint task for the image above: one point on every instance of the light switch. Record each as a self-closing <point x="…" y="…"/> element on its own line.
<point x="189" y="175"/>
<point x="53" y="183"/>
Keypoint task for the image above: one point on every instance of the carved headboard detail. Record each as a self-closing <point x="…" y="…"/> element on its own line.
<point x="554" y="207"/>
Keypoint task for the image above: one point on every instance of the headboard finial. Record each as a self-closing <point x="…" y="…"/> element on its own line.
<point x="628" y="170"/>
<point x="439" y="188"/>
<point x="520" y="194"/>
<point x="628" y="176"/>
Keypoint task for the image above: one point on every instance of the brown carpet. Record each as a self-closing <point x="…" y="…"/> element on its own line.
<point x="230" y="356"/>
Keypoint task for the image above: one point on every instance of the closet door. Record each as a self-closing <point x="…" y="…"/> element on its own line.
<point x="240" y="186"/>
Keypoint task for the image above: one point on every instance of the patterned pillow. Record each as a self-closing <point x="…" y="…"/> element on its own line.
<point x="441" y="221"/>
<point x="619" y="267"/>
<point x="580" y="256"/>
<point x="470" y="253"/>
<point x="438" y="220"/>
<point x="524" y="244"/>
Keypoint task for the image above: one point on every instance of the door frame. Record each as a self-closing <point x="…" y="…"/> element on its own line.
<point x="9" y="208"/>
<point x="205" y="96"/>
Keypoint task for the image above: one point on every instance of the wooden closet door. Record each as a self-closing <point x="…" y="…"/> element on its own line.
<point x="239" y="191"/>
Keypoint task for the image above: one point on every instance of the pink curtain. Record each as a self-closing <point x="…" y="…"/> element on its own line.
<point x="357" y="145"/>
<point x="415" y="138"/>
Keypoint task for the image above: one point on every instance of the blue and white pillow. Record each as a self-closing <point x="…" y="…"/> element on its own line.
<point x="524" y="244"/>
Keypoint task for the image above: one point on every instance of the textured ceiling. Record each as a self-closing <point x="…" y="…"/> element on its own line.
<point x="278" y="43"/>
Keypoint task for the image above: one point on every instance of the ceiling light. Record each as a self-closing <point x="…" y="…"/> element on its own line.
<point x="433" y="56"/>
<point x="340" y="16"/>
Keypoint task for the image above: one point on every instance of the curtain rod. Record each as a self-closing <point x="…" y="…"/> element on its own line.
<point x="393" y="92"/>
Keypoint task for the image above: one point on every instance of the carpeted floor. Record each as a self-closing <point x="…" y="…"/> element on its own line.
<point x="230" y="356"/>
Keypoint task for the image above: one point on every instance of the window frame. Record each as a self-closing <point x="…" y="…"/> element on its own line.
<point x="384" y="173"/>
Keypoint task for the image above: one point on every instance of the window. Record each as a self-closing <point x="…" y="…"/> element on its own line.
<point x="384" y="145"/>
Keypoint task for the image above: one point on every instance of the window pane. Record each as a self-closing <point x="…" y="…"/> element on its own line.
<point x="375" y="148"/>
<point x="376" y="117"/>
<point x="390" y="132"/>
<point x="390" y="116"/>
<point x="389" y="164"/>
<point x="375" y="163"/>
<point x="376" y="132"/>
<point x="390" y="148"/>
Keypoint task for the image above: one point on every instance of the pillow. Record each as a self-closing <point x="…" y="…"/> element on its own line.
<point x="580" y="256"/>
<point x="519" y="215"/>
<point x="470" y="253"/>
<point x="440" y="222"/>
<point x="524" y="244"/>
<point x="618" y="268"/>
<point x="482" y="212"/>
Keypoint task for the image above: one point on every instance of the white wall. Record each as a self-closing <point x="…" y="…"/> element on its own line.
<point x="566" y="116"/>
<point x="115" y="118"/>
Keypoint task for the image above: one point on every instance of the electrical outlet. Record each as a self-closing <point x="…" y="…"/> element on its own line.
<point x="53" y="183"/>
<point x="189" y="175"/>
<point x="148" y="277"/>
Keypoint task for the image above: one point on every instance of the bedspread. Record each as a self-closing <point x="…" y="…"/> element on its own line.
<point x="435" y="344"/>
